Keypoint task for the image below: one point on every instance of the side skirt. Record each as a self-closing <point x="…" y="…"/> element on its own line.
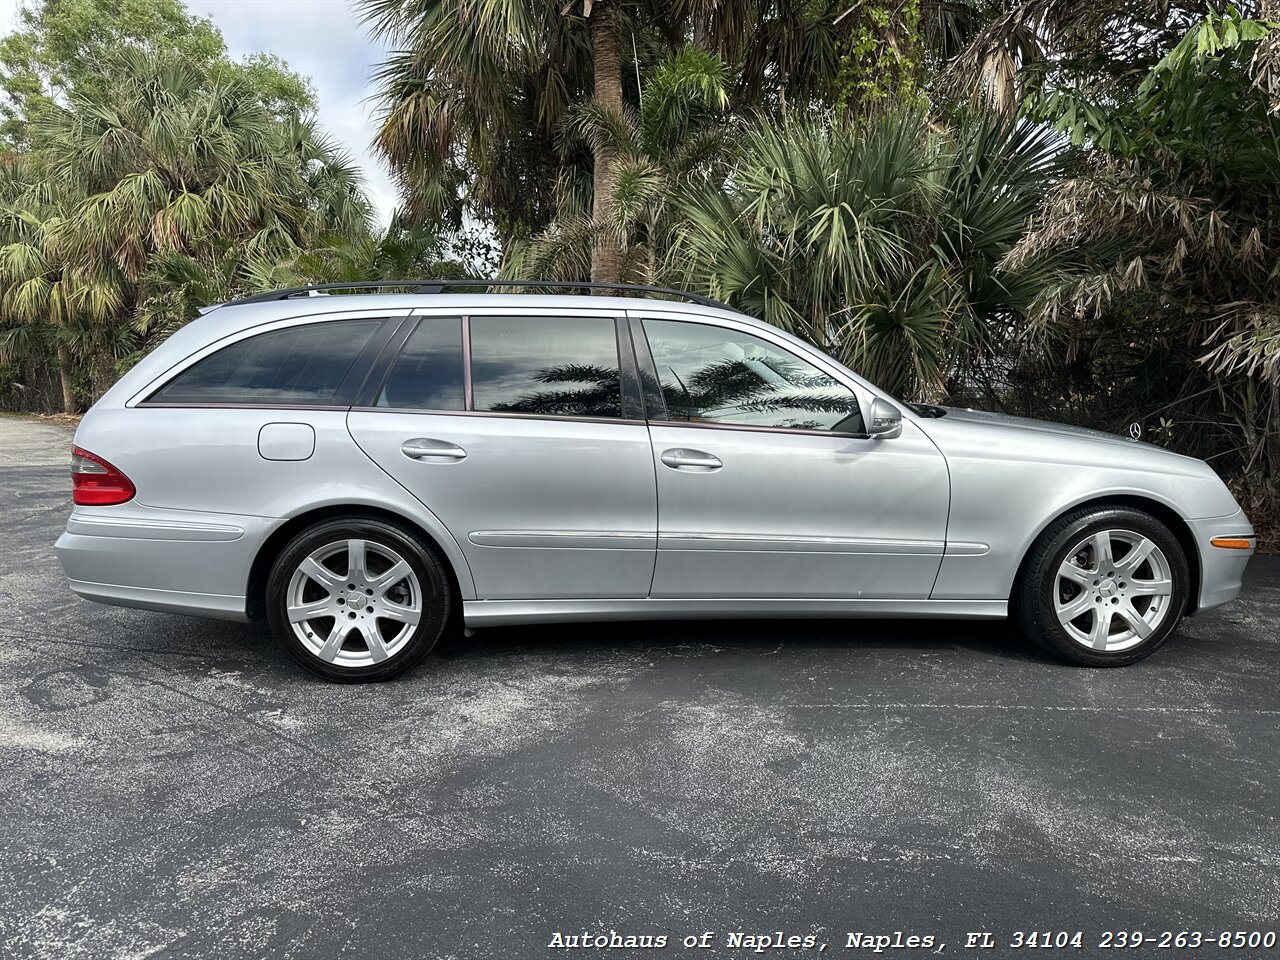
<point x="489" y="613"/>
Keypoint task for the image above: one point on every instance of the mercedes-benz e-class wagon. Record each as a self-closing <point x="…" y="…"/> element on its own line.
<point x="361" y="470"/>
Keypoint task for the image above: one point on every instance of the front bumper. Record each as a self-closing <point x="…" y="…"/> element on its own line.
<point x="1221" y="569"/>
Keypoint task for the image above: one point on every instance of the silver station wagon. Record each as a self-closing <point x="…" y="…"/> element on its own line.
<point x="362" y="470"/>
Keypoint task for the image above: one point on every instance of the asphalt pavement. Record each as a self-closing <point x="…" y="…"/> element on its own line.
<point x="173" y="787"/>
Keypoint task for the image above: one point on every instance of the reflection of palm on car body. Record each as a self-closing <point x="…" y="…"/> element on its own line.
<point x="359" y="470"/>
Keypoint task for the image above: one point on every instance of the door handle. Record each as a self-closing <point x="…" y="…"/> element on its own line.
<point x="684" y="459"/>
<point x="425" y="448"/>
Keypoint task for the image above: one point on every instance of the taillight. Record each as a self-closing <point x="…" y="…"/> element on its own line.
<point x="96" y="483"/>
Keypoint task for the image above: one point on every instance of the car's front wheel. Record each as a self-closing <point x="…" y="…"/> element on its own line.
<point x="357" y="599"/>
<point x="1103" y="586"/>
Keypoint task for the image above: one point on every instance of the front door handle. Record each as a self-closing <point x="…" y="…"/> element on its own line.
<point x="425" y="448"/>
<point x="691" y="460"/>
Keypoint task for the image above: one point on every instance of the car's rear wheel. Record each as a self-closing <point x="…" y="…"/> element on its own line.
<point x="1103" y="586"/>
<point x="357" y="599"/>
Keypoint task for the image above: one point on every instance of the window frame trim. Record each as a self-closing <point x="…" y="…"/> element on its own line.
<point x="632" y="406"/>
<point x="647" y="368"/>
<point x="624" y="371"/>
<point x="367" y="397"/>
<point x="348" y="390"/>
<point x="638" y="317"/>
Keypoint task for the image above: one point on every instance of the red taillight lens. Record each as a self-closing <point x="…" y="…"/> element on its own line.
<point x="96" y="483"/>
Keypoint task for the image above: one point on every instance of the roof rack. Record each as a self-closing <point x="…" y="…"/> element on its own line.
<point x="438" y="286"/>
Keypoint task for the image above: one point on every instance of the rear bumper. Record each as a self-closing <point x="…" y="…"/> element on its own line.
<point x="1221" y="569"/>
<point x="212" y="605"/>
<point x="172" y="561"/>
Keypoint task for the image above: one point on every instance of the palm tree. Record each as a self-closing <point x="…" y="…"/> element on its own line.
<point x="680" y="134"/>
<point x="493" y="81"/>
<point x="400" y="252"/>
<point x="1170" y="224"/>
<point x="877" y="242"/>
<point x="172" y="185"/>
<point x="476" y="95"/>
<point x="52" y="308"/>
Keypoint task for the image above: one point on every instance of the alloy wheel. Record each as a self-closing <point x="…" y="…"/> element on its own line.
<point x="1113" y="590"/>
<point x="354" y="603"/>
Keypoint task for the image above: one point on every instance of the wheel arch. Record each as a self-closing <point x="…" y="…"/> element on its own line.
<point x="1170" y="517"/>
<point x="260" y="569"/>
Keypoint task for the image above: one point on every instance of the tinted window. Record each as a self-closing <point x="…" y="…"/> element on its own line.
<point x="427" y="375"/>
<point x="303" y="365"/>
<point x="565" y="366"/>
<point x="716" y="375"/>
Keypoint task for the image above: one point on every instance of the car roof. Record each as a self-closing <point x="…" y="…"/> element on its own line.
<point x="223" y="319"/>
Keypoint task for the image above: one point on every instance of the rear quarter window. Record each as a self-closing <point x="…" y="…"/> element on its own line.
<point x="304" y="365"/>
<point x="428" y="373"/>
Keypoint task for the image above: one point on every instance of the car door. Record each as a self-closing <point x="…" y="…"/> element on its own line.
<point x="524" y="434"/>
<point x="767" y="486"/>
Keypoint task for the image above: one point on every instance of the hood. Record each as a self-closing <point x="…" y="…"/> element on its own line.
<point x="1048" y="428"/>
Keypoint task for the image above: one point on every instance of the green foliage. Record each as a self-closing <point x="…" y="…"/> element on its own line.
<point x="471" y="103"/>
<point x="877" y="242"/>
<point x="684" y="92"/>
<point x="60" y="49"/>
<point x="164" y="185"/>
<point x="477" y="95"/>
<point x="1192" y="102"/>
<point x="880" y="56"/>
<point x="1170" y="309"/>
<point x="399" y="253"/>
<point x="679" y="135"/>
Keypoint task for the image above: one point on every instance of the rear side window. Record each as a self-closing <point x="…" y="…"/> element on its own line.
<point x="427" y="375"/>
<point x="557" y="366"/>
<point x="302" y="365"/>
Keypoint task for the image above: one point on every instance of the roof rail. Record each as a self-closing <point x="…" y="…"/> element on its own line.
<point x="438" y="286"/>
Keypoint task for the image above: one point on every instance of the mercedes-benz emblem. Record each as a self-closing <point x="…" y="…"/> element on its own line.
<point x="1135" y="431"/>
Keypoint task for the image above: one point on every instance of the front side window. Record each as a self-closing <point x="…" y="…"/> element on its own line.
<point x="549" y="366"/>
<point x="713" y="374"/>
<point x="427" y="375"/>
<point x="302" y="365"/>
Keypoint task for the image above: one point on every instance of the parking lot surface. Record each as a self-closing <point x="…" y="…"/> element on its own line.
<point x="178" y="787"/>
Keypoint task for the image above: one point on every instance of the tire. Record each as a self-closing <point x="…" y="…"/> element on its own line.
<point x="326" y="567"/>
<point x="1117" y="560"/>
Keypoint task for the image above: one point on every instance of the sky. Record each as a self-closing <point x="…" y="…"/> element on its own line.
<point x="320" y="39"/>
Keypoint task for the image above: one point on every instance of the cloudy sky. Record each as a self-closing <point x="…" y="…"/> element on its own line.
<point x="321" y="39"/>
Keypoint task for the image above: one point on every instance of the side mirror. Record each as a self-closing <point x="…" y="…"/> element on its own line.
<point x="885" y="421"/>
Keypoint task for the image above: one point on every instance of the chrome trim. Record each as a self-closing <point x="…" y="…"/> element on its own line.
<point x="753" y="428"/>
<point x="177" y="405"/>
<point x="790" y="544"/>
<point x="487" y="613"/>
<point x="141" y="529"/>
<point x="468" y="383"/>
<point x="564" y="539"/>
<point x="493" y="413"/>
<point x="958" y="548"/>
<point x="215" y="606"/>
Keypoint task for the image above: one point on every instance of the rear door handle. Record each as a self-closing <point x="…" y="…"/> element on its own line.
<point x="425" y="448"/>
<point x="691" y="460"/>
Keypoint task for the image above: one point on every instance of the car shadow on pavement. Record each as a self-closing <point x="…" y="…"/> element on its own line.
<point x="993" y="638"/>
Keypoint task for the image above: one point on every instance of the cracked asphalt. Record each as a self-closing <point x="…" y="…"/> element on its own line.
<point x="176" y="787"/>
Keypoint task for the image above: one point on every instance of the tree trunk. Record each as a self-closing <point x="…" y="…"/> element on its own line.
<point x="69" y="404"/>
<point x="606" y="255"/>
